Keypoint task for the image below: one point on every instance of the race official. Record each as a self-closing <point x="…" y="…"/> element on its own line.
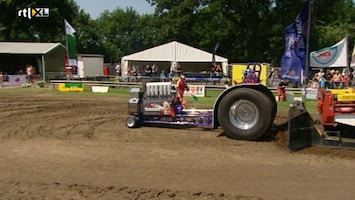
<point x="181" y="87"/>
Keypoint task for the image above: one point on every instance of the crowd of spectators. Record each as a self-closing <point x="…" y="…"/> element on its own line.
<point x="332" y="79"/>
<point x="149" y="71"/>
<point x="137" y="73"/>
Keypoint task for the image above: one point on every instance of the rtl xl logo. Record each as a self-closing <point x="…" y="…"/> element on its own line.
<point x="33" y="12"/>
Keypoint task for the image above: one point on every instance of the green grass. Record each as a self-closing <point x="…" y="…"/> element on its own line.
<point x="310" y="105"/>
<point x="122" y="91"/>
<point x="200" y="102"/>
<point x="204" y="102"/>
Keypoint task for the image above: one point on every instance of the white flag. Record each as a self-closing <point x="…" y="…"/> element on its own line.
<point x="71" y="44"/>
<point x="334" y="56"/>
<point x="69" y="30"/>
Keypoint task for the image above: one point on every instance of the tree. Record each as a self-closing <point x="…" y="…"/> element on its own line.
<point x="123" y="32"/>
<point x="333" y="20"/>
<point x="14" y="28"/>
<point x="236" y="25"/>
<point x="247" y="30"/>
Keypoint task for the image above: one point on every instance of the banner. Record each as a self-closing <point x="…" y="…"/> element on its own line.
<point x="293" y="60"/>
<point x="195" y="90"/>
<point x="334" y="56"/>
<point x="70" y="87"/>
<point x="16" y="80"/>
<point x="71" y="43"/>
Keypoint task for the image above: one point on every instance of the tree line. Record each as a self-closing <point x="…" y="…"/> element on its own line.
<point x="246" y="30"/>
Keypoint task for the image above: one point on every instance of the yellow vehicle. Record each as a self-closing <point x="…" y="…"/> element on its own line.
<point x="239" y="73"/>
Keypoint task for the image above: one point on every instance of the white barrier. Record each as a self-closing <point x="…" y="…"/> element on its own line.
<point x="99" y="89"/>
<point x="15" y="80"/>
<point x="311" y="93"/>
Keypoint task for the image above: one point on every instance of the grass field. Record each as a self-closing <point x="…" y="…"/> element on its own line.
<point x="204" y="102"/>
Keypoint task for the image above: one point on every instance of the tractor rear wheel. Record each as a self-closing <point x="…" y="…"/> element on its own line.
<point x="245" y="113"/>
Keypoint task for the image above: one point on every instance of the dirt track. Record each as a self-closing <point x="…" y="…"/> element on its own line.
<point x="65" y="146"/>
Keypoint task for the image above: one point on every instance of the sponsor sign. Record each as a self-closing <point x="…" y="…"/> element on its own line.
<point x="15" y="80"/>
<point x="70" y="87"/>
<point x="195" y="90"/>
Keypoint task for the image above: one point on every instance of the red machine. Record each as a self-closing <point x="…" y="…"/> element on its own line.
<point x="336" y="127"/>
<point x="336" y="106"/>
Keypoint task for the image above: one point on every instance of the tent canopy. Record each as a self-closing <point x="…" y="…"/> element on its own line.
<point x="27" y="47"/>
<point x="175" y="53"/>
<point x="47" y="58"/>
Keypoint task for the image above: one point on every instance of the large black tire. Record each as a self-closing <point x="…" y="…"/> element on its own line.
<point x="245" y="114"/>
<point x="132" y="121"/>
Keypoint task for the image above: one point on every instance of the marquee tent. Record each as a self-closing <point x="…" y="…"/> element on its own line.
<point x="174" y="54"/>
<point x="47" y="58"/>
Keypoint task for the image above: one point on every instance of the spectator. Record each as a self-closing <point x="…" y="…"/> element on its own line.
<point x="328" y="77"/>
<point x="336" y="79"/>
<point x="126" y="74"/>
<point x="148" y="70"/>
<point x="162" y="76"/>
<point x="315" y="81"/>
<point x="346" y="77"/>
<point x="345" y="80"/>
<point x="281" y="90"/>
<point x="178" y="70"/>
<point x="218" y="69"/>
<point x="320" y="74"/>
<point x="29" y="72"/>
<point x="321" y="81"/>
<point x="345" y="72"/>
<point x="171" y="75"/>
<point x="118" y="69"/>
<point x="1" y="80"/>
<point x="134" y="70"/>
<point x="154" y="69"/>
<point x="213" y="68"/>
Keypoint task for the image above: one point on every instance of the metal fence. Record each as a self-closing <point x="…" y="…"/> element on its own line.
<point x="55" y="83"/>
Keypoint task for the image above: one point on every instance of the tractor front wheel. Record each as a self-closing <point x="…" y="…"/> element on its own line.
<point x="132" y="121"/>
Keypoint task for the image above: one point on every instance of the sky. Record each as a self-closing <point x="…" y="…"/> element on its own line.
<point x="95" y="7"/>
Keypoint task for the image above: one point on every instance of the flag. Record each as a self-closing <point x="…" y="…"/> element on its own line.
<point x="353" y="58"/>
<point x="71" y="43"/>
<point x="333" y="56"/>
<point x="293" y="60"/>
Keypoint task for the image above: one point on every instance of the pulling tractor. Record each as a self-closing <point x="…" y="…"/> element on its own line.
<point x="247" y="112"/>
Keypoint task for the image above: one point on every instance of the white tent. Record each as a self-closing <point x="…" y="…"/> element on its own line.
<point x="175" y="53"/>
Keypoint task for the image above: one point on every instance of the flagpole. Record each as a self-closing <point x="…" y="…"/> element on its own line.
<point x="347" y="59"/>
<point x="66" y="42"/>
<point x="307" y="64"/>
